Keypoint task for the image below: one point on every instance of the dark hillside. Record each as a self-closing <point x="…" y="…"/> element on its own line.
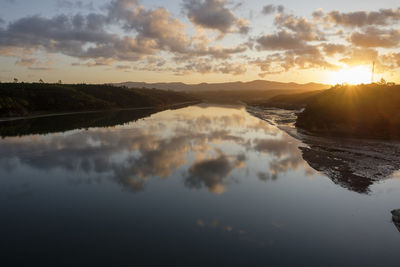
<point x="20" y="99"/>
<point x="371" y="111"/>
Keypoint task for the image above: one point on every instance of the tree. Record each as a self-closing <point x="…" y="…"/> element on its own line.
<point x="382" y="81"/>
<point x="59" y="82"/>
<point x="15" y="80"/>
<point x="41" y="81"/>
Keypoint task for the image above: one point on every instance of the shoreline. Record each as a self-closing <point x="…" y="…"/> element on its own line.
<point x="353" y="163"/>
<point x="44" y="115"/>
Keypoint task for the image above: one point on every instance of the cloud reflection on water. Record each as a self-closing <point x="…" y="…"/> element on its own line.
<point x="213" y="173"/>
<point x="206" y="145"/>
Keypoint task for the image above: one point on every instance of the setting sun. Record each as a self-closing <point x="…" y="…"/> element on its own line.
<point x="353" y="75"/>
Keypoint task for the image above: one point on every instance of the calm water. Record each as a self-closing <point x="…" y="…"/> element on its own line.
<point x="202" y="185"/>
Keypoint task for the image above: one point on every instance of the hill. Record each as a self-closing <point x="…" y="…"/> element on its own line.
<point x="258" y="85"/>
<point x="21" y="99"/>
<point x="370" y="111"/>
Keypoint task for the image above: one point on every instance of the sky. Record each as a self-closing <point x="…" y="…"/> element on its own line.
<point x="196" y="41"/>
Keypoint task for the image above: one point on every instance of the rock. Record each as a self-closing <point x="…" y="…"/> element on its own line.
<point x="396" y="215"/>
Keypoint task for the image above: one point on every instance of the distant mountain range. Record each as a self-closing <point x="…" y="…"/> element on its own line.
<point x="260" y="85"/>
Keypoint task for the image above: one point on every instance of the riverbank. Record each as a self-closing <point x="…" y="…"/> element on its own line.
<point x="19" y="100"/>
<point x="62" y="122"/>
<point x="46" y="115"/>
<point x="353" y="163"/>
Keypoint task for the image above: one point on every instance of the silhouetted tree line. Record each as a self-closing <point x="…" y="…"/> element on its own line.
<point x="18" y="99"/>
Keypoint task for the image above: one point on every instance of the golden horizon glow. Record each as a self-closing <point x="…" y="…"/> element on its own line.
<point x="352" y="75"/>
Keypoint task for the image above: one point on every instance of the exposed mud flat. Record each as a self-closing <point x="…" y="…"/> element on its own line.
<point x="354" y="164"/>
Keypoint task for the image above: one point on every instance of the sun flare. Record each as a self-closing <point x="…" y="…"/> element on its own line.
<point x="352" y="75"/>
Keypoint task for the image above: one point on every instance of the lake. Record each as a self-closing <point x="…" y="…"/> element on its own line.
<point x="204" y="185"/>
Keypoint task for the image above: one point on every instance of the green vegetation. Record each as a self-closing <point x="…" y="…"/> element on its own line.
<point x="370" y="111"/>
<point x="21" y="99"/>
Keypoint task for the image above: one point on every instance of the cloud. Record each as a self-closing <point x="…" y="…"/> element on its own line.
<point x="303" y="28"/>
<point x="215" y="15"/>
<point x="206" y="66"/>
<point x="303" y="44"/>
<point x="95" y="63"/>
<point x="40" y="68"/>
<point x="282" y="40"/>
<point x="123" y="67"/>
<point x="157" y="25"/>
<point x="61" y="34"/>
<point x="124" y="32"/>
<point x="391" y="60"/>
<point x="216" y="52"/>
<point x="333" y="49"/>
<point x="307" y="58"/>
<point x="234" y="69"/>
<point x="374" y="37"/>
<point x="74" y="4"/>
<point x="270" y="9"/>
<point x="86" y="36"/>
<point x="25" y="62"/>
<point x="148" y="33"/>
<point x="382" y="17"/>
<point x="360" y="56"/>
